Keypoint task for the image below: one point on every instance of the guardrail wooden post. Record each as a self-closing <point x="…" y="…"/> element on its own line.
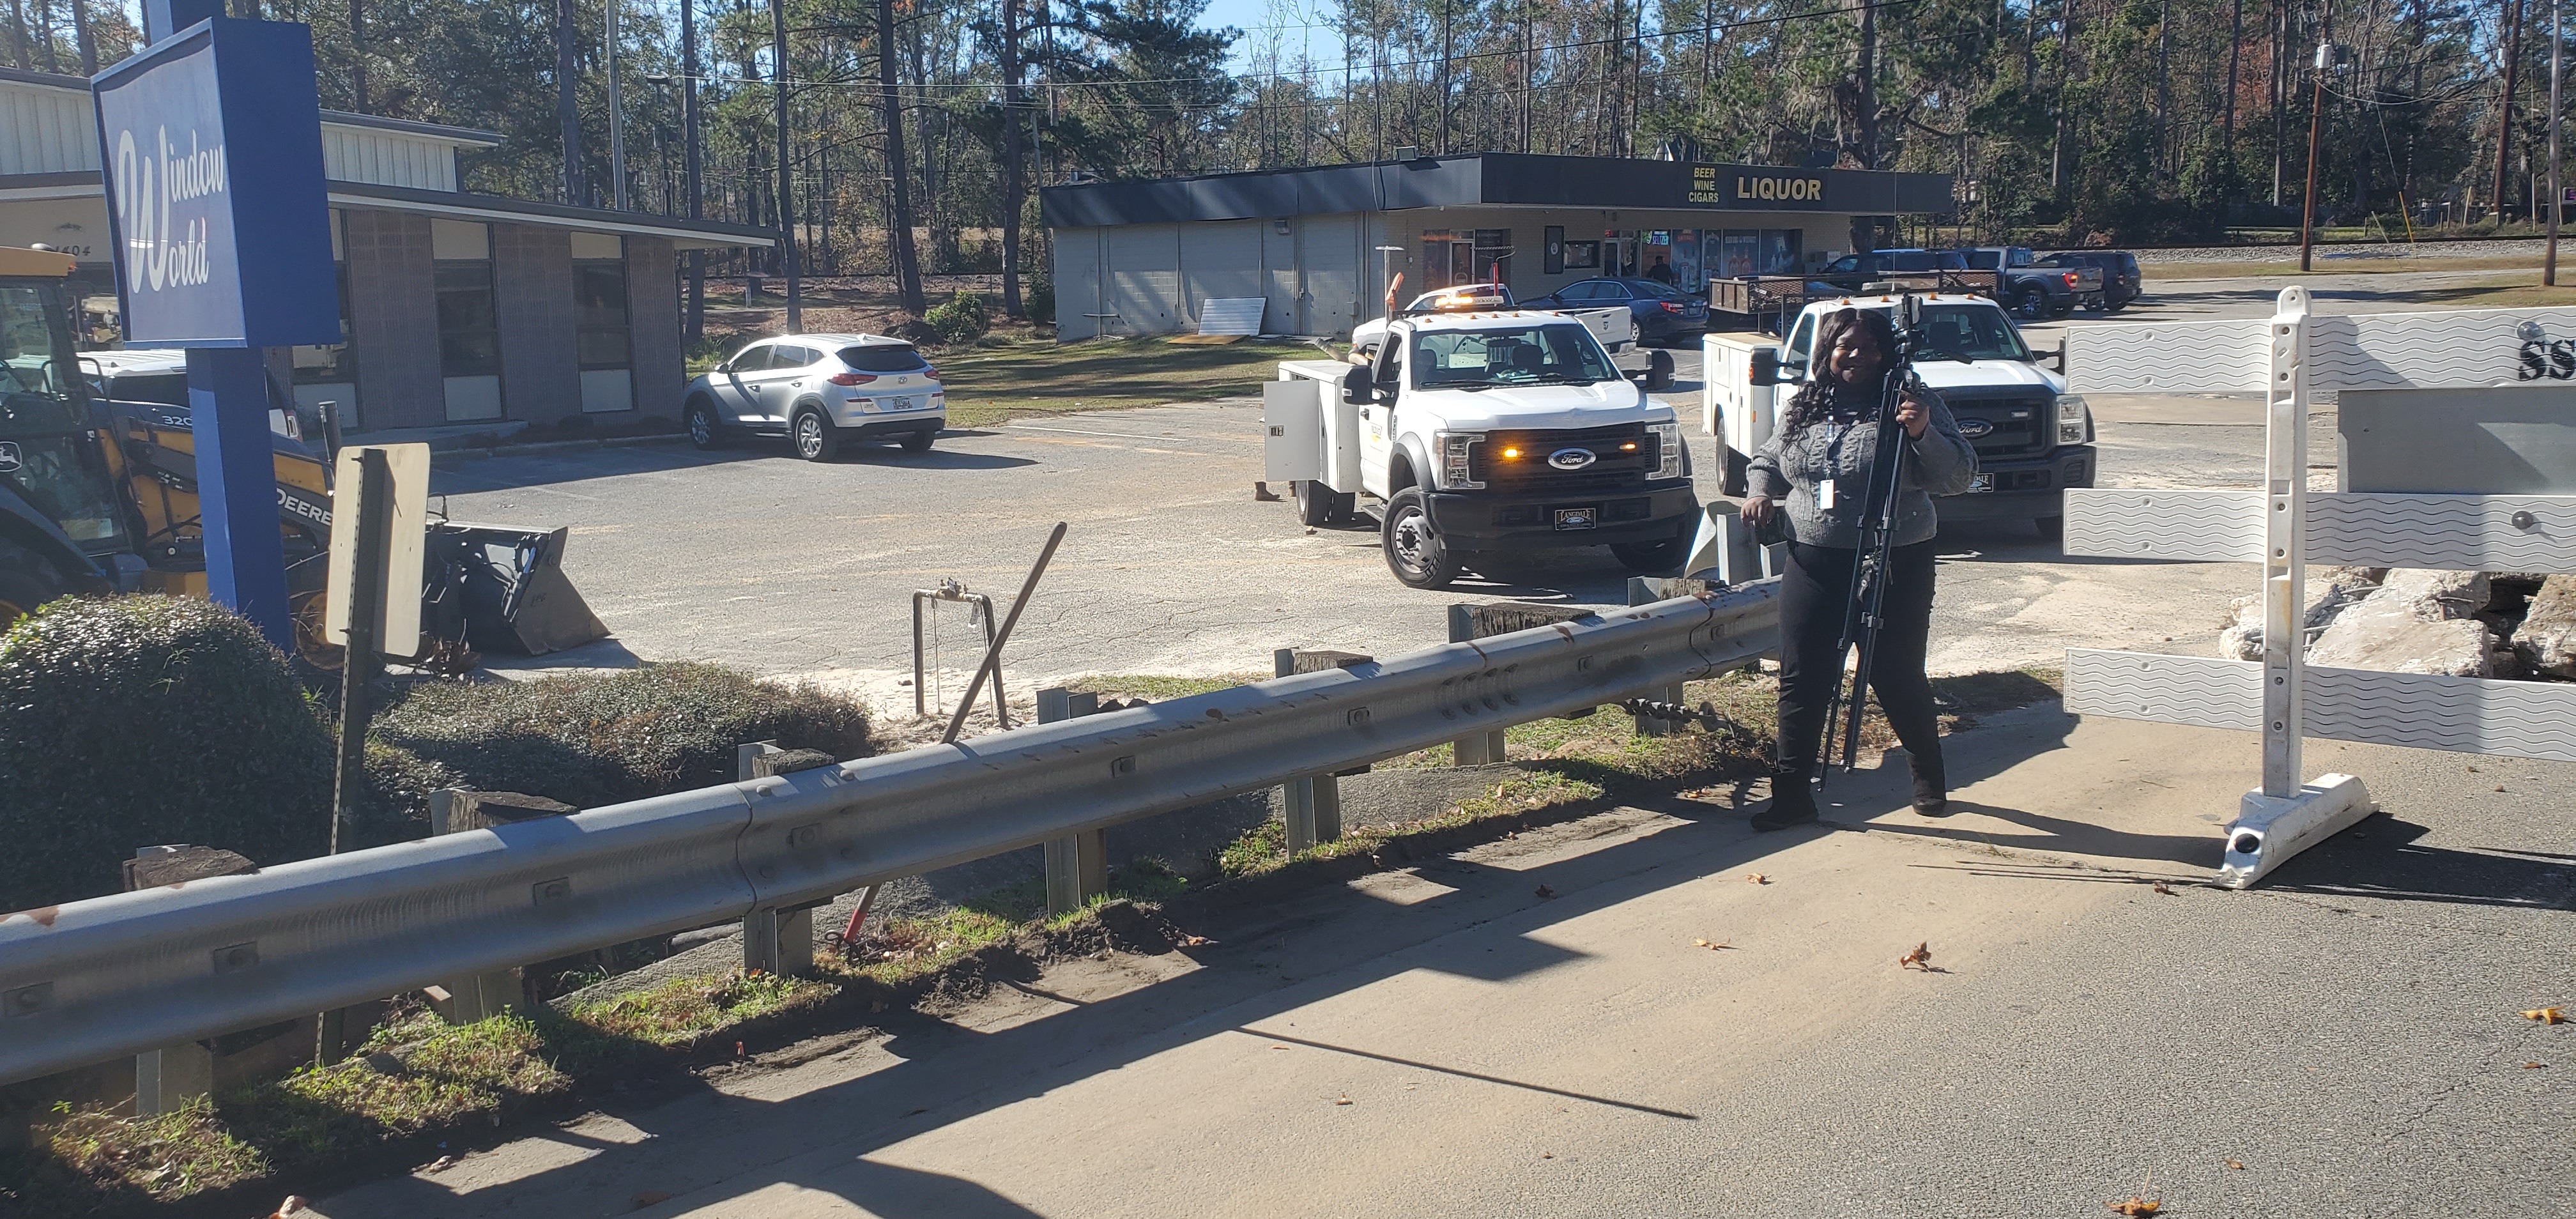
<point x="1077" y="865"/>
<point x="455" y="811"/>
<point x="168" y="1078"/>
<point x="1474" y="749"/>
<point x="1647" y="590"/>
<point x="776" y="941"/>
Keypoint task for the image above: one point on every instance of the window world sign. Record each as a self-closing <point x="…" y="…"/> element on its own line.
<point x="212" y="146"/>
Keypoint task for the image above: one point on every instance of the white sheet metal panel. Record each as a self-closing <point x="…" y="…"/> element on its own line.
<point x="1077" y="283"/>
<point x="2447" y="532"/>
<point x="2513" y="719"/>
<point x="1232" y="315"/>
<point x="1279" y="278"/>
<point x="1220" y="261"/>
<point x="2167" y="357"/>
<point x="45" y="129"/>
<point x="2176" y="525"/>
<point x="2203" y="691"/>
<point x="387" y="158"/>
<point x="1141" y="273"/>
<point x="1330" y="248"/>
<point x="2518" y="439"/>
<point x="1292" y="420"/>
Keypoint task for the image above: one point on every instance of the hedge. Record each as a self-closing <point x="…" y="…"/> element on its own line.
<point x="135" y="721"/>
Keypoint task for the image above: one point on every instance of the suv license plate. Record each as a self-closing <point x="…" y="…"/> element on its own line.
<point x="1577" y="518"/>
<point x="902" y="404"/>
<point x="1981" y="483"/>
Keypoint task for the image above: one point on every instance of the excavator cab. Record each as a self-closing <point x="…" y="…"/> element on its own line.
<point x="63" y="524"/>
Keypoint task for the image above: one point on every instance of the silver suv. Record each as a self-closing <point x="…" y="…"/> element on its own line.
<point x="821" y="391"/>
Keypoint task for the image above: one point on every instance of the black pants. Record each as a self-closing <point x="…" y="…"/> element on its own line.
<point x="1813" y="595"/>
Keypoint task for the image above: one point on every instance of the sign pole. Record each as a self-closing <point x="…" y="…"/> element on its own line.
<point x="237" y="488"/>
<point x="2285" y="446"/>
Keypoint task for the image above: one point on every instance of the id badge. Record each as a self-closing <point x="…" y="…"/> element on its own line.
<point x="1825" y="495"/>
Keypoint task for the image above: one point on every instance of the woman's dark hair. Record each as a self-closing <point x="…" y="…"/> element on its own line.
<point x="1817" y="393"/>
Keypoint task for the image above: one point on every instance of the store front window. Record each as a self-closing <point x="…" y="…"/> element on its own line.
<point x="605" y="338"/>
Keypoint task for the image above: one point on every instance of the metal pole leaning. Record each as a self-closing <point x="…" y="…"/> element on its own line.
<point x="992" y="666"/>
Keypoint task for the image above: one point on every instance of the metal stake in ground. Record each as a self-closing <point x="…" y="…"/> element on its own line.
<point x="992" y="666"/>
<point x="358" y="668"/>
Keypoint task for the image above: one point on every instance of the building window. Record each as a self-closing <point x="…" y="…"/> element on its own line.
<point x="329" y="372"/>
<point x="604" y="340"/>
<point x="469" y="341"/>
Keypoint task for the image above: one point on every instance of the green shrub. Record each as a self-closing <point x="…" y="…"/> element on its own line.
<point x="590" y="739"/>
<point x="962" y="320"/>
<point x="133" y="721"/>
<point x="1040" y="300"/>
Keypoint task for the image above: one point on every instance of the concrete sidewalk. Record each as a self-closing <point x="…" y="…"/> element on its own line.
<point x="2348" y="1035"/>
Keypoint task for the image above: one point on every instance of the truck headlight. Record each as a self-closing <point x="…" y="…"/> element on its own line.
<point x="1669" y="453"/>
<point x="1456" y="471"/>
<point x="2074" y="419"/>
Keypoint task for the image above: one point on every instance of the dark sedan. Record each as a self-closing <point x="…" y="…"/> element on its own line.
<point x="1664" y="314"/>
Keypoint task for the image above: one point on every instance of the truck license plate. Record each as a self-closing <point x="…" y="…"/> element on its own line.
<point x="1577" y="518"/>
<point x="1980" y="483"/>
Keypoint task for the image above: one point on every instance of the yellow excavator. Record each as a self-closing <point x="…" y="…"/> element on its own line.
<point x="99" y="495"/>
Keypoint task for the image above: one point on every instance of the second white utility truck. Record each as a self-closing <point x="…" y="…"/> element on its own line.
<point x="1483" y="432"/>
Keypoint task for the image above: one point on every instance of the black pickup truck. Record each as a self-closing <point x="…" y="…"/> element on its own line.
<point x="2033" y="291"/>
<point x="2122" y="281"/>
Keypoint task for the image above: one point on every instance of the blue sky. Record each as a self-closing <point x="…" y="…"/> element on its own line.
<point x="1257" y="19"/>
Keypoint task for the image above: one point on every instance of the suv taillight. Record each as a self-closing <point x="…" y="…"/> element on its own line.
<point x="930" y="372"/>
<point x="852" y="378"/>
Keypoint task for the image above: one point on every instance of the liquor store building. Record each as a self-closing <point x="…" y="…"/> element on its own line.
<point x="1320" y="245"/>
<point x="455" y="307"/>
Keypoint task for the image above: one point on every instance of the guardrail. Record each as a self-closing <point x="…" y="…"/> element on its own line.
<point x="125" y="974"/>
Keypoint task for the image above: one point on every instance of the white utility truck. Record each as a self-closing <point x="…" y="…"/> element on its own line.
<point x="1483" y="432"/>
<point x="1615" y="326"/>
<point x="2033" y="439"/>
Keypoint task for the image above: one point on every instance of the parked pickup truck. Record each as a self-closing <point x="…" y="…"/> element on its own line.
<point x="1483" y="433"/>
<point x="2033" y="439"/>
<point x="2032" y="291"/>
<point x="2122" y="282"/>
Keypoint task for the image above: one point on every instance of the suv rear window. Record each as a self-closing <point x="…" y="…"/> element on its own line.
<point x="882" y="357"/>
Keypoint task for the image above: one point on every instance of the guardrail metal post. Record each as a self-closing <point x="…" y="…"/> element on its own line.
<point x="1643" y="590"/>
<point x="773" y="941"/>
<point x="456" y="811"/>
<point x="1297" y="803"/>
<point x="1077" y="865"/>
<point x="1312" y="804"/>
<point x="1479" y="748"/>
<point x="168" y="1078"/>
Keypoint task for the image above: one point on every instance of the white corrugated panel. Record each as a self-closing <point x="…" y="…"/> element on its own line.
<point x="1330" y="248"/>
<point x="1232" y="315"/>
<point x="1077" y="283"/>
<point x="49" y="130"/>
<point x="1220" y="261"/>
<point x="1143" y="279"/>
<point x="387" y="158"/>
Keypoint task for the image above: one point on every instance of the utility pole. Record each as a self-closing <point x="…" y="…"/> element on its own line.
<point x="567" y="117"/>
<point x="2557" y="193"/>
<point x="695" y="327"/>
<point x="786" y="168"/>
<point x="2504" y="109"/>
<point x="1013" y="176"/>
<point x="2316" y="108"/>
<point x="616" y="113"/>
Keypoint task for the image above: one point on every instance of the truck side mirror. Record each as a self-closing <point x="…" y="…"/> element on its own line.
<point x="1766" y="366"/>
<point x="1359" y="386"/>
<point x="2057" y="359"/>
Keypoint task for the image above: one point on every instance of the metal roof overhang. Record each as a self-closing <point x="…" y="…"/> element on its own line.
<point x="1501" y="180"/>
<point x="458" y="205"/>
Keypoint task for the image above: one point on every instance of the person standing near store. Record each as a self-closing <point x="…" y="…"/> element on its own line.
<point x="1813" y="473"/>
<point x="1662" y="272"/>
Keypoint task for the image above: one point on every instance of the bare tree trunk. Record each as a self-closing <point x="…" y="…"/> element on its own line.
<point x="2280" y="100"/>
<point x="81" y="38"/>
<point x="2235" y="62"/>
<point x="907" y="263"/>
<point x="693" y="326"/>
<point x="2065" y="76"/>
<point x="1013" y="186"/>
<point x="567" y="115"/>
<point x="2504" y="106"/>
<point x="20" y="52"/>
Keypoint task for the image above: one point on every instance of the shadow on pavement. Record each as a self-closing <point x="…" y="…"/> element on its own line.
<point x="2380" y="858"/>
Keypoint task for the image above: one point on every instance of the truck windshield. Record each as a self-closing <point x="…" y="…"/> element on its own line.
<point x="1969" y="332"/>
<point x="1559" y="353"/>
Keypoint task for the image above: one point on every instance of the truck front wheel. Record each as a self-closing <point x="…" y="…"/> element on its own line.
<point x="1414" y="551"/>
<point x="1649" y="558"/>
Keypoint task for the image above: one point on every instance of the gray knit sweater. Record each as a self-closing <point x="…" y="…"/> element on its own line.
<point x="1838" y="443"/>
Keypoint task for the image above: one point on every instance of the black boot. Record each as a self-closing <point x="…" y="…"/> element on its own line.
<point x="1793" y="802"/>
<point x="1931" y="788"/>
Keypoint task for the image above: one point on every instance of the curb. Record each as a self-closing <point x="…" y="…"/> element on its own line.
<point x="448" y="457"/>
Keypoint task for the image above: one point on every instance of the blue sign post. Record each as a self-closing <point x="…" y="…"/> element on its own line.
<point x="211" y="141"/>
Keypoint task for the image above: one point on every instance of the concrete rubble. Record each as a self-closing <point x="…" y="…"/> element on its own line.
<point x="2417" y="621"/>
<point x="2330" y="592"/>
<point x="2545" y="640"/>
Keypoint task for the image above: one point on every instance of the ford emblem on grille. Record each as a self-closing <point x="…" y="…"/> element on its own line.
<point x="1571" y="459"/>
<point x="1973" y="428"/>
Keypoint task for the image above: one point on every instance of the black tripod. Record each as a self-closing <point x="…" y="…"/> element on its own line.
<point x="1862" y="616"/>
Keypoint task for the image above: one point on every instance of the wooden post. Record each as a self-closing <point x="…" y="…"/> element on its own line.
<point x="1477" y="748"/>
<point x="776" y="941"/>
<point x="1077" y="865"/>
<point x="1312" y="804"/>
<point x="1644" y="590"/>
<point x="457" y="811"/>
<point x="168" y="1078"/>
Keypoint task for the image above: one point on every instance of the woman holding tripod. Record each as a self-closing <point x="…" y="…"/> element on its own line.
<point x="1813" y="474"/>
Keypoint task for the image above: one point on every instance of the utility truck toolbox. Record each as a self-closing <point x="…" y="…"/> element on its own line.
<point x="1487" y="432"/>
<point x="2033" y="439"/>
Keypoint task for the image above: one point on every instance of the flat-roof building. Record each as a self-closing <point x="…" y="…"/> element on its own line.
<point x="456" y="307"/>
<point x="1142" y="257"/>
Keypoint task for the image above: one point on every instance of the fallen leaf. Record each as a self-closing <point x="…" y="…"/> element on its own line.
<point x="1712" y="947"/>
<point x="2534" y="1066"/>
<point x="1920" y="958"/>
<point x="1278" y="1047"/>
<point x="1346" y="1099"/>
<point x="1547" y="1155"/>
<point x="2499" y="787"/>
<point x="2546" y="1015"/>
<point x="1757" y="878"/>
<point x="1195" y="941"/>
<point x="1545" y="893"/>
<point x="2238" y="1165"/>
<point x="2135" y="1206"/>
<point x="737" y="1050"/>
<point x="2166" y="889"/>
<point x="651" y="1197"/>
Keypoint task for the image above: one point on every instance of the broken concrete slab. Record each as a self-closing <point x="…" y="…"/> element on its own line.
<point x="2546" y="638"/>
<point x="2387" y="636"/>
<point x="2330" y="590"/>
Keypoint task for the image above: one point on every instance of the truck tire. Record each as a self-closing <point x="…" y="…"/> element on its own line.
<point x="2030" y="304"/>
<point x="700" y="421"/>
<point x="813" y="435"/>
<point x="26" y="581"/>
<point x="1319" y="505"/>
<point x="1649" y="558"/>
<point x="2051" y="528"/>
<point x="1414" y="553"/>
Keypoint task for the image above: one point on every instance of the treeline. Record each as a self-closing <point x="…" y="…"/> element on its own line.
<point x="918" y="130"/>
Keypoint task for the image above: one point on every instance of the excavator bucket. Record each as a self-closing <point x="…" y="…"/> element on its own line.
<point x="508" y="586"/>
